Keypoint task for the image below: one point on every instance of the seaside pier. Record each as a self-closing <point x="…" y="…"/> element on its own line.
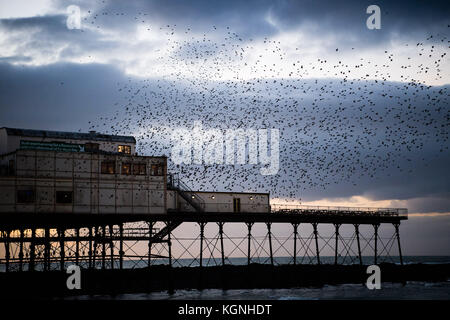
<point x="44" y="242"/>
<point x="88" y="199"/>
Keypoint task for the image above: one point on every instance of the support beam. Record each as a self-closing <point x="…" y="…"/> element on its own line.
<point x="269" y="234"/>
<point x="7" y="253"/>
<point x="103" y="240"/>
<point x="375" y="227"/>
<point x="21" y="250"/>
<point x="169" y="243"/>
<point x="316" y="234"/>
<point x="61" y="233"/>
<point x="121" y="246"/>
<point x="397" y="232"/>
<point x="90" y="253"/>
<point x="249" y="226"/>
<point x="111" y="245"/>
<point x="202" y="234"/>
<point x="32" y="249"/>
<point x="47" y="249"/>
<point x="336" y="226"/>
<point x="77" y="246"/>
<point x="295" y="225"/>
<point x="150" y="235"/>
<point x="358" y="242"/>
<point x="221" y="242"/>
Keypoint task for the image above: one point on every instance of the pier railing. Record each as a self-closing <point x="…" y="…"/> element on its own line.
<point x="299" y="209"/>
<point x="322" y="210"/>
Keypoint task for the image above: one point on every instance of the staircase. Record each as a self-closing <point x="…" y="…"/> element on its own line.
<point x="174" y="183"/>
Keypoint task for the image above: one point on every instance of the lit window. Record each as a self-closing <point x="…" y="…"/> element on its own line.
<point x="126" y="168"/>
<point x="63" y="196"/>
<point x="124" y="149"/>
<point x="108" y="167"/>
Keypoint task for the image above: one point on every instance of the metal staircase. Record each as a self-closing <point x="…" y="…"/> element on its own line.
<point x="192" y="198"/>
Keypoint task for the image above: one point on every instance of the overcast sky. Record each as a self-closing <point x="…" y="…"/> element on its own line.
<point x="363" y="114"/>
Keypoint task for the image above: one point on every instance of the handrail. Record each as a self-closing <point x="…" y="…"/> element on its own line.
<point x="279" y="208"/>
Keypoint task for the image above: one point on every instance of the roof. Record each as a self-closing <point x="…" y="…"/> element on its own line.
<point x="94" y="136"/>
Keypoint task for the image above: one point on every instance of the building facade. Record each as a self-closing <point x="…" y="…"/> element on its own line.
<point x="92" y="173"/>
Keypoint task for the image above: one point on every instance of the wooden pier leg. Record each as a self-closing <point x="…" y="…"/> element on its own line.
<point x="249" y="237"/>
<point x="316" y="234"/>
<point x="121" y="246"/>
<point x="396" y="225"/>
<point x="336" y="243"/>
<point x="221" y="242"/>
<point x="358" y="242"/>
<point x="111" y="245"/>
<point x="61" y="233"/>
<point x="21" y="250"/>
<point x="295" y="225"/>
<point x="32" y="249"/>
<point x="269" y="234"/>
<point x="375" y="226"/>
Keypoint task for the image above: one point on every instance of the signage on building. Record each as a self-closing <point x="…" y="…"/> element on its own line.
<point x="51" y="146"/>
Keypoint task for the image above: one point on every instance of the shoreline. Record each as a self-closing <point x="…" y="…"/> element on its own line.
<point x="48" y="285"/>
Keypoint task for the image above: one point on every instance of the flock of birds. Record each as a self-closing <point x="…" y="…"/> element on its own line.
<point x="354" y="121"/>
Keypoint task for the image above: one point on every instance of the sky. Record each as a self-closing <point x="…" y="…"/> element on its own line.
<point x="363" y="114"/>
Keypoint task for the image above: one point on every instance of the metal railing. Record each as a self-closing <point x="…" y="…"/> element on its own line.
<point x="366" y="211"/>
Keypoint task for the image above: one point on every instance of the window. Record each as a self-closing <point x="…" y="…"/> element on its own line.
<point x="108" y="167"/>
<point x="126" y="168"/>
<point x="156" y="170"/>
<point x="91" y="147"/>
<point x="139" y="169"/>
<point x="63" y="196"/>
<point x="25" y="196"/>
<point x="124" y="149"/>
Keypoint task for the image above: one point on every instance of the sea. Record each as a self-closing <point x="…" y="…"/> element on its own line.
<point x="412" y="290"/>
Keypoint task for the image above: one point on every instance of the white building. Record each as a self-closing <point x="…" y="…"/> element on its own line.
<point x="93" y="173"/>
